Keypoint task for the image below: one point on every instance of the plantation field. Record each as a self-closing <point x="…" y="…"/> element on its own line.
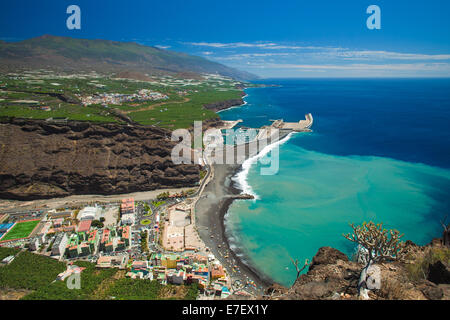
<point x="135" y="289"/>
<point x="25" y="98"/>
<point x="21" y="230"/>
<point x="91" y="279"/>
<point x="30" y="271"/>
<point x="182" y="115"/>
<point x="5" y="252"/>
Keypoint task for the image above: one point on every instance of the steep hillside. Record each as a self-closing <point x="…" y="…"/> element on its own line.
<point x="40" y="159"/>
<point x="66" y="54"/>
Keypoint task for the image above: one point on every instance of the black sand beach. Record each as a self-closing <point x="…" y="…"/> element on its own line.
<point x="210" y="209"/>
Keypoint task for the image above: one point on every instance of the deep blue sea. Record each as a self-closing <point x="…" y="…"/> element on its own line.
<point x="379" y="150"/>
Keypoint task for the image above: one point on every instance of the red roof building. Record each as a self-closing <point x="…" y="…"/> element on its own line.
<point x="84" y="225"/>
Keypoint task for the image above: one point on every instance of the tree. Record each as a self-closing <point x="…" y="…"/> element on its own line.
<point x="163" y="196"/>
<point x="446" y="233"/>
<point x="98" y="224"/>
<point x="377" y="244"/>
<point x="297" y="268"/>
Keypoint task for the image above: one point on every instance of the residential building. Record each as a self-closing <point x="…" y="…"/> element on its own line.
<point x="59" y="246"/>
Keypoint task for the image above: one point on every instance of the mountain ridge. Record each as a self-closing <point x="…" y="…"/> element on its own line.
<point x="73" y="54"/>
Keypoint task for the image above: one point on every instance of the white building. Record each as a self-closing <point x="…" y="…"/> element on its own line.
<point x="128" y="219"/>
<point x="34" y="244"/>
<point x="59" y="246"/>
<point x="89" y="213"/>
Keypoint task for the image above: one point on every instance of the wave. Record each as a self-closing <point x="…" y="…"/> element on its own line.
<point x="241" y="178"/>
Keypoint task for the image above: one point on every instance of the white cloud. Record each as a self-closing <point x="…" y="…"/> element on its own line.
<point x="364" y="67"/>
<point x="367" y="55"/>
<point x="262" y="45"/>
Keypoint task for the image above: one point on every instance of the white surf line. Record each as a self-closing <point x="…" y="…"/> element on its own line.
<point x="242" y="176"/>
<point x="241" y="105"/>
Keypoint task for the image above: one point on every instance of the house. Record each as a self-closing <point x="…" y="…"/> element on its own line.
<point x="71" y="269"/>
<point x="119" y="261"/>
<point x="217" y="272"/>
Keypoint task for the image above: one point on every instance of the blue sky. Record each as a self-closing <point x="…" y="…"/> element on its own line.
<point x="284" y="38"/>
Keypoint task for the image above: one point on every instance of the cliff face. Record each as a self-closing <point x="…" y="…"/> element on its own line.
<point x="424" y="275"/>
<point x="40" y="159"/>
<point x="217" y="106"/>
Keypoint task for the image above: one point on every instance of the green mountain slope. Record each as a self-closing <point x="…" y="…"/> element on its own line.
<point x="69" y="54"/>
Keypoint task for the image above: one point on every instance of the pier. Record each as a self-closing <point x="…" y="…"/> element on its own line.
<point x="301" y="126"/>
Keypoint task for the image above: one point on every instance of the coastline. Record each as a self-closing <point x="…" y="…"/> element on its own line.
<point x="210" y="210"/>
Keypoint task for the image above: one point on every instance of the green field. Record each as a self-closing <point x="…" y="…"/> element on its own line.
<point x="24" y="98"/>
<point x="21" y="230"/>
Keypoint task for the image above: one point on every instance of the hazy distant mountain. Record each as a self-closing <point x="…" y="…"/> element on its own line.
<point x="69" y="54"/>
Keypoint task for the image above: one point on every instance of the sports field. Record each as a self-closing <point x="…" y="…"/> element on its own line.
<point x="21" y="230"/>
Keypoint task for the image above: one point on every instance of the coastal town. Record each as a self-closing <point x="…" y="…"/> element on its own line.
<point x="151" y="240"/>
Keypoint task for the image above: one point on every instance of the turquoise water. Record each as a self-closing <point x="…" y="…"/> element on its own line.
<point x="314" y="196"/>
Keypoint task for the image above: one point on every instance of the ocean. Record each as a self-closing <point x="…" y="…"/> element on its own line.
<point x="379" y="150"/>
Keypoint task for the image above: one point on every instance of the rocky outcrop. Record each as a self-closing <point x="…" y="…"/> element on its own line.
<point x="332" y="276"/>
<point x="222" y="105"/>
<point x="40" y="159"/>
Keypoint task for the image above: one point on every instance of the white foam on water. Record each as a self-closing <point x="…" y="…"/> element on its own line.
<point x="241" y="178"/>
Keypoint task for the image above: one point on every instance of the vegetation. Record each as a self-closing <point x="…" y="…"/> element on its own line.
<point x="376" y="245"/>
<point x="97" y="224"/>
<point x="182" y="115"/>
<point x="6" y="252"/>
<point x="144" y="242"/>
<point x="158" y="203"/>
<point x="21" y="230"/>
<point x="148" y="210"/>
<point x="420" y="268"/>
<point x="163" y="195"/>
<point x="202" y="174"/>
<point x="59" y="97"/>
<point x="379" y="244"/>
<point x="192" y="292"/>
<point x="91" y="278"/>
<point x="135" y="289"/>
<point x="30" y="271"/>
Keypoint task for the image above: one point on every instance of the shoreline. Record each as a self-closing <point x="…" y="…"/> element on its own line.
<point x="210" y="210"/>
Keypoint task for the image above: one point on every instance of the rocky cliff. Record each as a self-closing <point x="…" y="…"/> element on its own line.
<point x="423" y="275"/>
<point x="40" y="159"/>
<point x="222" y="105"/>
